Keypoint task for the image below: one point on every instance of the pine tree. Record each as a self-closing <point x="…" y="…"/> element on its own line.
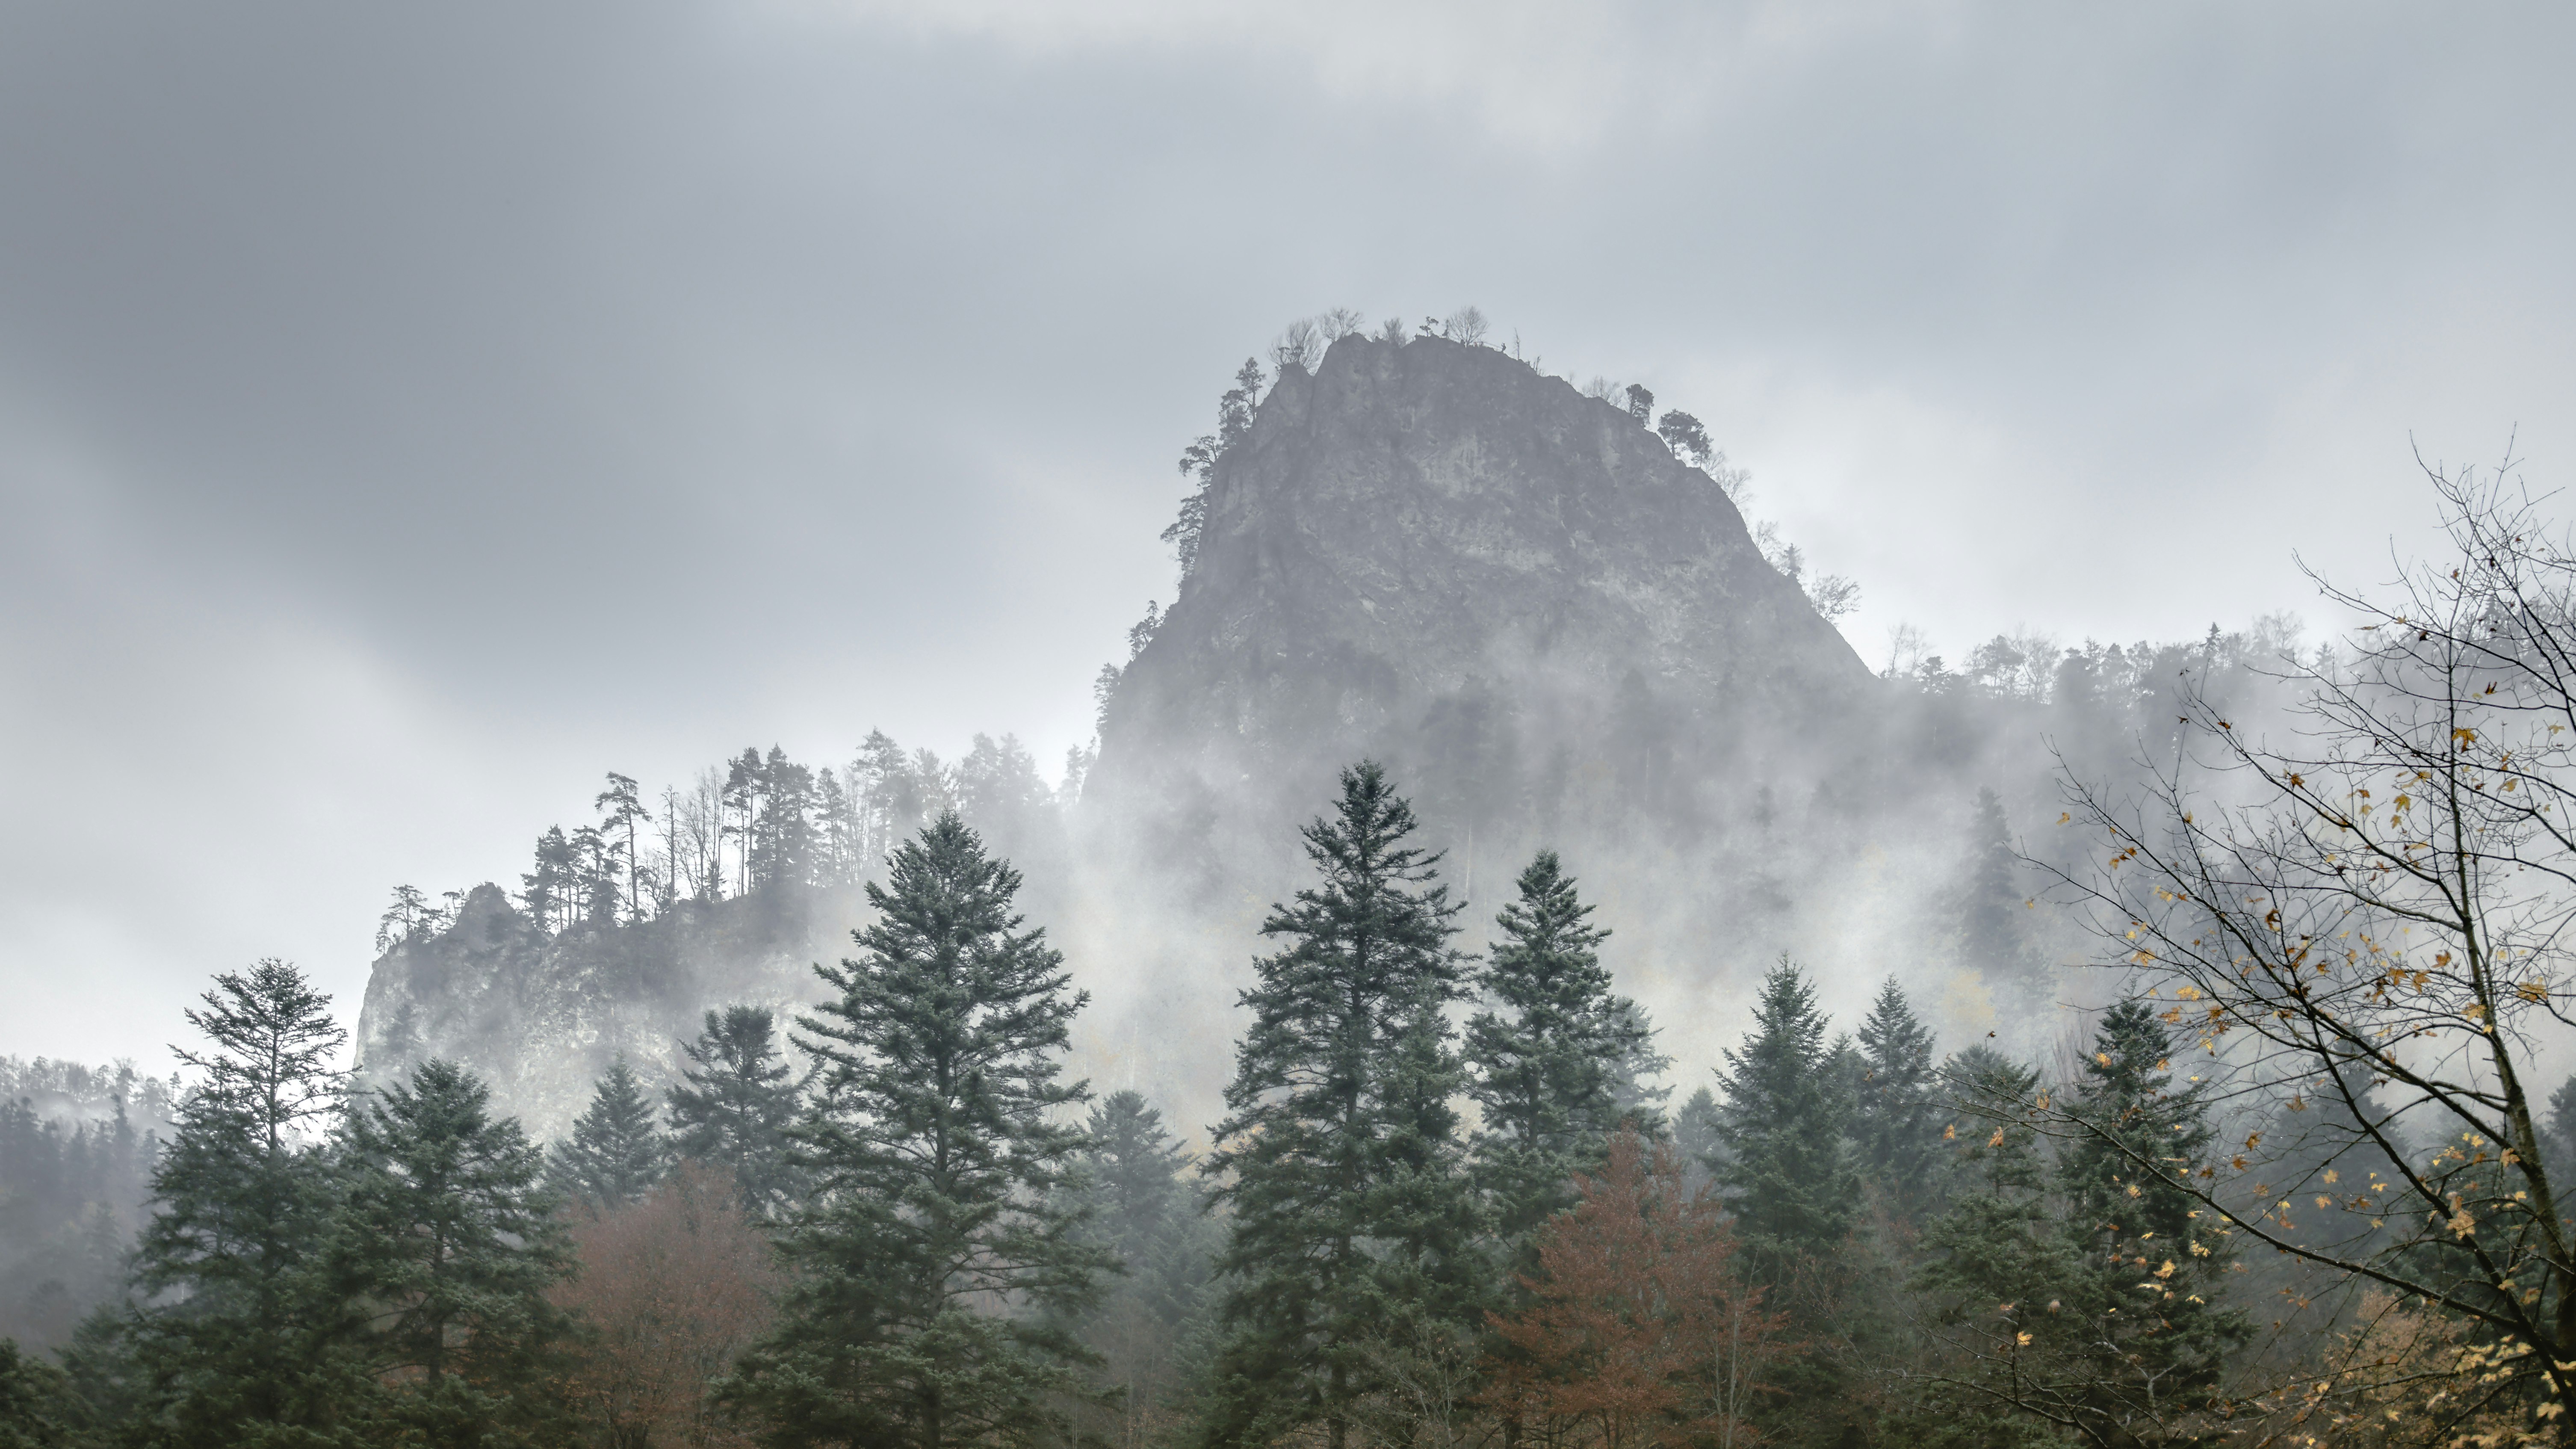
<point x="1345" y="1196"/>
<point x="1545" y="1068"/>
<point x="1696" y="1139"/>
<point x="938" y="1255"/>
<point x="1150" y="1325"/>
<point x="621" y="810"/>
<point x="453" y="1241"/>
<point x="1786" y="1172"/>
<point x="242" y="1337"/>
<point x="616" y="1152"/>
<point x="1993" y="937"/>
<point x="2150" y="1288"/>
<point x="36" y="1407"/>
<point x="1999" y="1269"/>
<point x="735" y="1103"/>
<point x="551" y="886"/>
<point x="1897" y="1117"/>
<point x="1234" y="415"/>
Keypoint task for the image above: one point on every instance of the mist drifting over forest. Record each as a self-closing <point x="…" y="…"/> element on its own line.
<point x="758" y="726"/>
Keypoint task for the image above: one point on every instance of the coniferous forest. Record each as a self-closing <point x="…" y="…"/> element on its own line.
<point x="2294" y="1185"/>
<point x="2292" y="1178"/>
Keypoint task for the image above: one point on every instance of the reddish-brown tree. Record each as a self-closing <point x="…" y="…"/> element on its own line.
<point x="673" y="1289"/>
<point x="1638" y="1334"/>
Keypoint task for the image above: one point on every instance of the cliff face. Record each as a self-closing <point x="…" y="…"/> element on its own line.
<point x="540" y="1019"/>
<point x="1431" y="553"/>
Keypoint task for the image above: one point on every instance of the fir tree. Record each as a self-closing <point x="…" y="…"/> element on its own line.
<point x="550" y="887"/>
<point x="616" y="1153"/>
<point x="939" y="1168"/>
<point x="1896" y="1122"/>
<point x="1786" y="1172"/>
<point x="1993" y="931"/>
<point x="1339" y="1151"/>
<point x="734" y="1104"/>
<point x="452" y="1241"/>
<point x="243" y="1337"/>
<point x="1544" y="1068"/>
<point x="35" y="1402"/>
<point x="2150" y="1286"/>
<point x="1696" y="1138"/>
<point x="1149" y="1327"/>
<point x="1999" y="1269"/>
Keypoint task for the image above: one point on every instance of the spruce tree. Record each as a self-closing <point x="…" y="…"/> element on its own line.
<point x="36" y="1408"/>
<point x="452" y="1240"/>
<point x="1786" y="1172"/>
<point x="1696" y="1138"/>
<point x="1999" y="1269"/>
<point x="616" y="1152"/>
<point x="1150" y="1324"/>
<point x="938" y="1255"/>
<point x="243" y="1337"/>
<point x="1897" y="1114"/>
<point x="1545" y="1067"/>
<point x="1993" y="932"/>
<point x="2150" y="1286"/>
<point x="734" y="1104"/>
<point x="1339" y="1154"/>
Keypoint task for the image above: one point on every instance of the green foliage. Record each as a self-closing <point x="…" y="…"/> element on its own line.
<point x="2151" y="1270"/>
<point x="616" y="1152"/>
<point x="1998" y="1264"/>
<point x="1696" y="1138"/>
<point x="449" y="1244"/>
<point x="1543" y="1068"/>
<point x="1340" y="1155"/>
<point x="1897" y="1110"/>
<point x="938" y="1175"/>
<point x="1152" y="1327"/>
<point x="35" y="1401"/>
<point x="1994" y="931"/>
<point x="244" y="1338"/>
<point x="735" y="1104"/>
<point x="1787" y="1173"/>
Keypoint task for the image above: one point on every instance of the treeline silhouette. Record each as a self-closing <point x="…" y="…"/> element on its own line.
<point x="1445" y="1206"/>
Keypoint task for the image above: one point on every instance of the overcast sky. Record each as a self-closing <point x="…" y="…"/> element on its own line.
<point x="409" y="413"/>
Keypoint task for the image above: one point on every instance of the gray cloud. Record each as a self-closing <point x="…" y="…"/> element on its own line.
<point x="406" y="415"/>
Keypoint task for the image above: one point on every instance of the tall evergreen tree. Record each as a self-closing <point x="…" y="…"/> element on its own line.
<point x="1544" y="1068"/>
<point x="2150" y="1290"/>
<point x="36" y="1407"/>
<point x="1150" y="1325"/>
<point x="734" y="1104"/>
<point x="552" y="887"/>
<point x="616" y="1152"/>
<point x="1786" y="1172"/>
<point x="1993" y="932"/>
<point x="939" y="1167"/>
<point x="1696" y="1139"/>
<point x="242" y="1337"/>
<point x="1998" y="1266"/>
<point x="1338" y="1153"/>
<point x="1897" y="1116"/>
<point x="451" y="1241"/>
